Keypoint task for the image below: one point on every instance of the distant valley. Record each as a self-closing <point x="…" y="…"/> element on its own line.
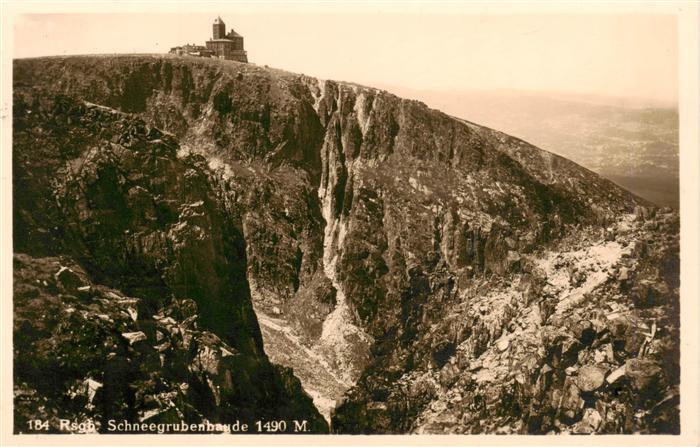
<point x="631" y="142"/>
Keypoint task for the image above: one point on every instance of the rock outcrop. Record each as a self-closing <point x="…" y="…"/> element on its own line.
<point x="133" y="281"/>
<point x="418" y="272"/>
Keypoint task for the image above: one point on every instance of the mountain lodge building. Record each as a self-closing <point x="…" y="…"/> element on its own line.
<point x="221" y="45"/>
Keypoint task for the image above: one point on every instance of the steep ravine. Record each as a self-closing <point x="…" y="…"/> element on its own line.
<point x="389" y="249"/>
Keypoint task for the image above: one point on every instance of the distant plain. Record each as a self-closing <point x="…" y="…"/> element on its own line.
<point x="632" y="142"/>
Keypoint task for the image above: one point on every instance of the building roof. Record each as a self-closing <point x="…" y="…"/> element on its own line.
<point x="218" y="21"/>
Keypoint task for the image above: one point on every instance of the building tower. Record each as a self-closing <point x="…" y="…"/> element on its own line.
<point x="226" y="46"/>
<point x="219" y="29"/>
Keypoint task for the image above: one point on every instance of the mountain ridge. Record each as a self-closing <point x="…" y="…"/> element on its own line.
<point x="239" y="68"/>
<point x="636" y="148"/>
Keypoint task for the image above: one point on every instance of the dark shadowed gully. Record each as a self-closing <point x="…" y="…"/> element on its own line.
<point x="202" y="240"/>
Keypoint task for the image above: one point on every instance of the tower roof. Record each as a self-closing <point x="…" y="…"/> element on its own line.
<point x="218" y="21"/>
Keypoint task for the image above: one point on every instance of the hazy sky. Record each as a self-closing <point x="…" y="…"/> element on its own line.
<point x="616" y="55"/>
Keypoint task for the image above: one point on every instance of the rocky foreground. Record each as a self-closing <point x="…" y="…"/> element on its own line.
<point x="130" y="297"/>
<point x="186" y="231"/>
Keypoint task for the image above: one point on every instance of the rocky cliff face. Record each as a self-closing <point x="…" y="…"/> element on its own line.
<point x="417" y="272"/>
<point x="131" y="296"/>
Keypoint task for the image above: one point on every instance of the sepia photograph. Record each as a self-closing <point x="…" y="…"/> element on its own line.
<point x="349" y="218"/>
